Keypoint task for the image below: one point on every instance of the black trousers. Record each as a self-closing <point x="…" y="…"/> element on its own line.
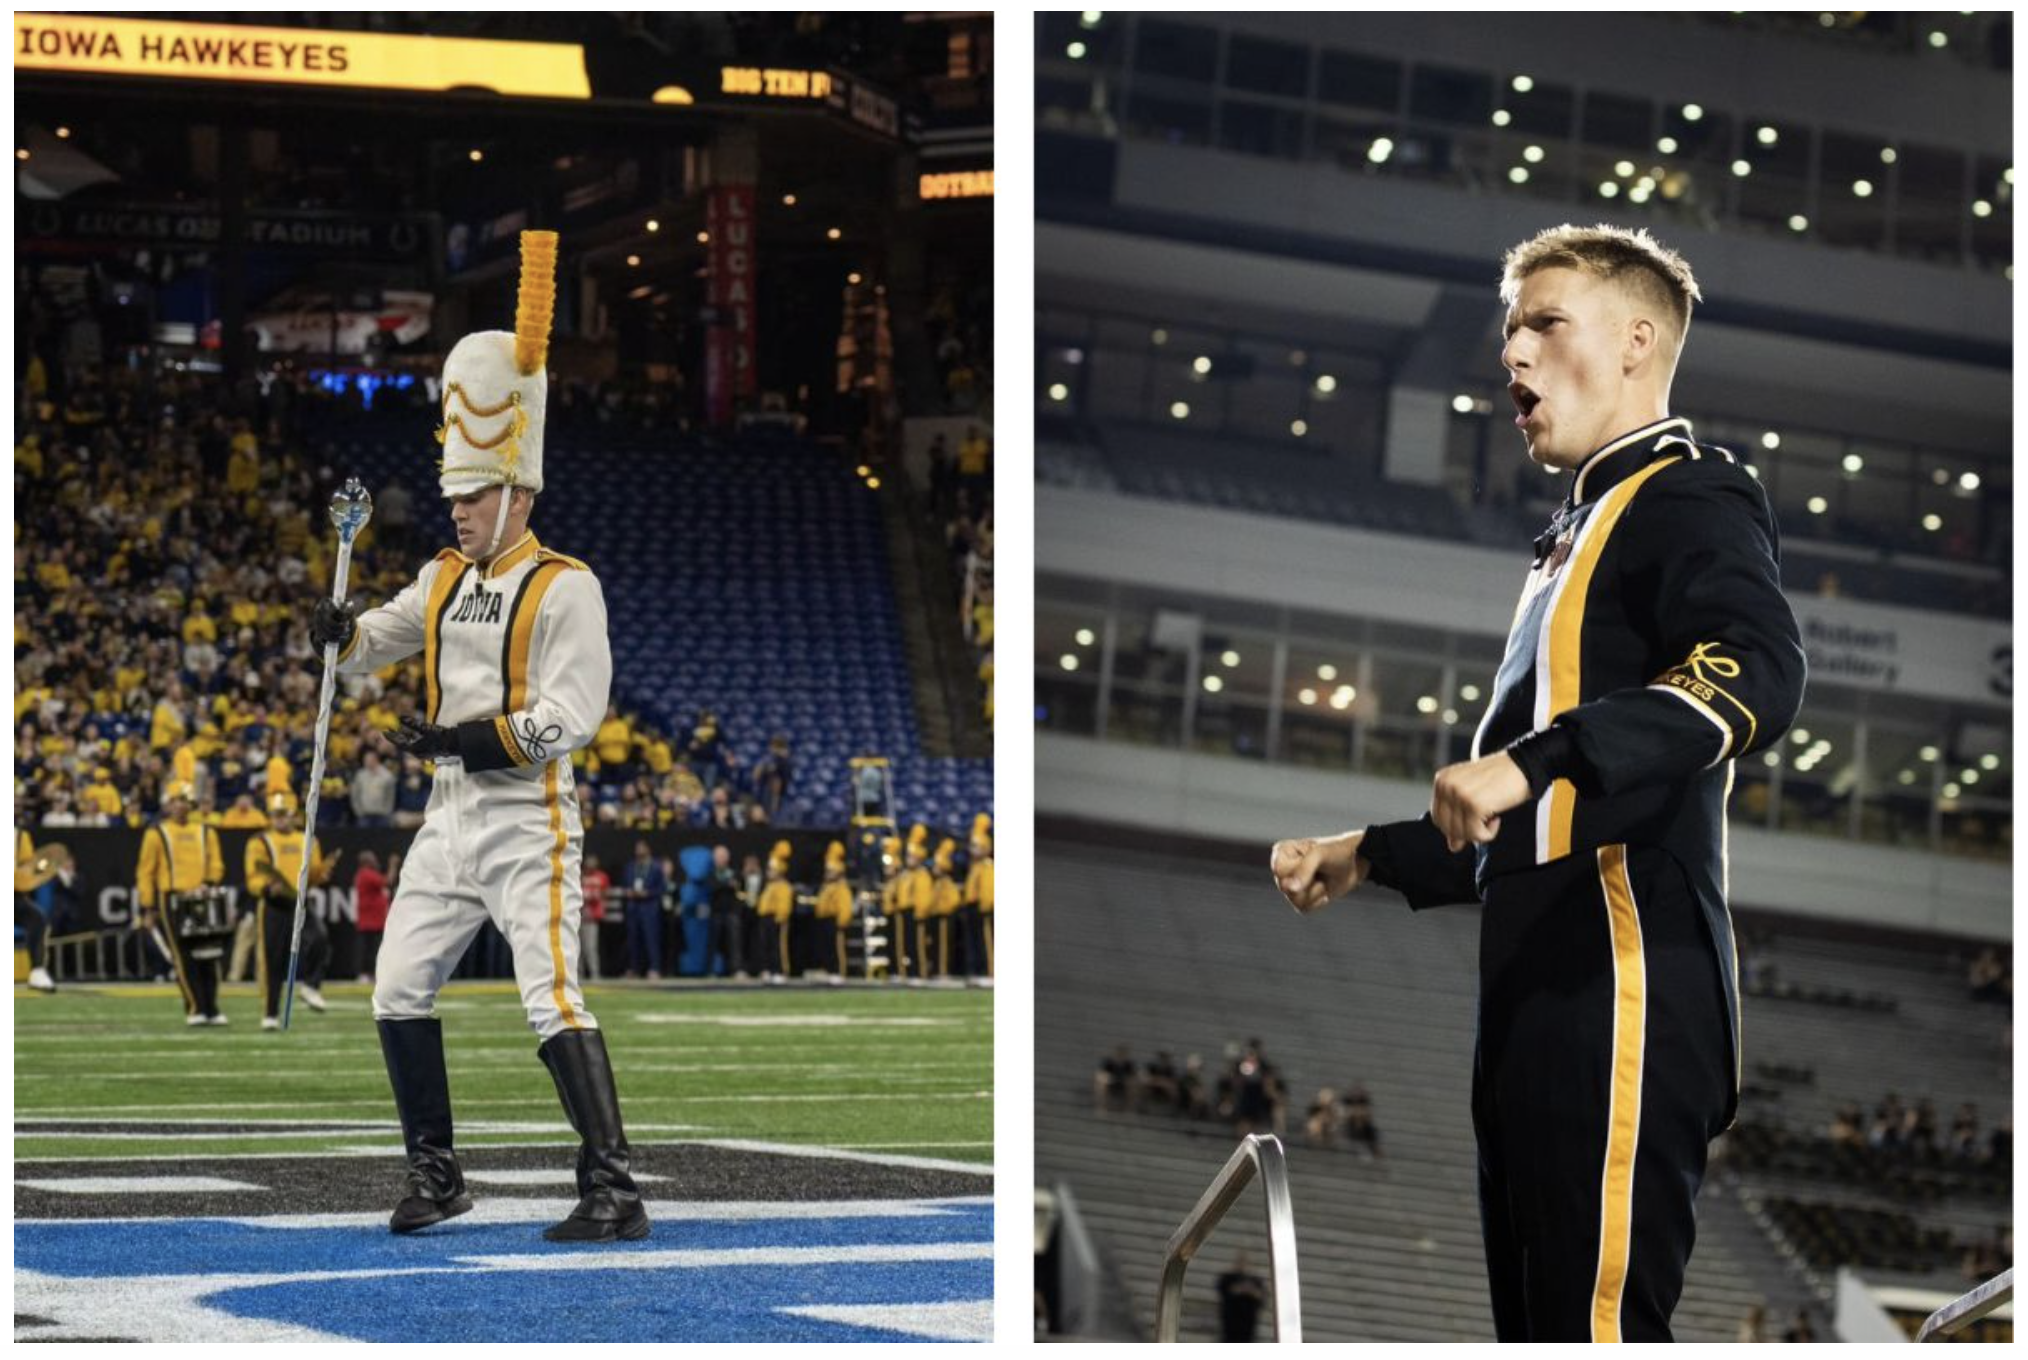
<point x="29" y="921"/>
<point x="902" y="943"/>
<point x="1604" y="1070"/>
<point x="728" y="941"/>
<point x="277" y="919"/>
<point x="196" y="974"/>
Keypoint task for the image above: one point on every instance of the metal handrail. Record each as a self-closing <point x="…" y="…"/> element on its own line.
<point x="1968" y="1308"/>
<point x="1257" y="1155"/>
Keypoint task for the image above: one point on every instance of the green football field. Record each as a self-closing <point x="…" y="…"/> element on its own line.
<point x="113" y="1073"/>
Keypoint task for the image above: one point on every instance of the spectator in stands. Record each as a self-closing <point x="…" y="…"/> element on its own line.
<point x="411" y="794"/>
<point x="1800" y="1329"/>
<point x="373" y="792"/>
<point x="1241" y="1294"/>
<point x="975" y="469"/>
<point x="1193" y="1095"/>
<point x="614" y="747"/>
<point x="727" y="955"/>
<point x="942" y="479"/>
<point x="1965" y="1131"/>
<point x="1320" y="1125"/>
<point x="1159" y="1088"/>
<point x="1848" y="1126"/>
<point x="1114" y="1084"/>
<point x="1359" y="1125"/>
<point x="1256" y="1097"/>
<point x="1753" y="1327"/>
<point x="1991" y="979"/>
<point x="771" y="776"/>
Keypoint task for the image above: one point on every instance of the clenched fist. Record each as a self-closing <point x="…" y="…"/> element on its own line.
<point x="1467" y="799"/>
<point x="1313" y="871"/>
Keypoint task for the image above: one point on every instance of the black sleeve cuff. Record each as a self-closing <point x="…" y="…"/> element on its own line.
<point x="1547" y="756"/>
<point x="488" y="744"/>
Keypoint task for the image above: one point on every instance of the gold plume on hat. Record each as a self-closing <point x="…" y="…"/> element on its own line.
<point x="918" y="836"/>
<point x="536" y="306"/>
<point x="834" y="855"/>
<point x="944" y="854"/>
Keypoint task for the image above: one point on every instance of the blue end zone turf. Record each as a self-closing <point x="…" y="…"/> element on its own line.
<point x="702" y="1280"/>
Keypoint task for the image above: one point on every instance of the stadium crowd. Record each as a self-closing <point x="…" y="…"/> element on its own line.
<point x="170" y="538"/>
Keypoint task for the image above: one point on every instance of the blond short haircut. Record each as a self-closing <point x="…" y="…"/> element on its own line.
<point x="1632" y="259"/>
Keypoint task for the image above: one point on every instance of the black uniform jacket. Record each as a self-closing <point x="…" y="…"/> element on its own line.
<point x="1653" y="631"/>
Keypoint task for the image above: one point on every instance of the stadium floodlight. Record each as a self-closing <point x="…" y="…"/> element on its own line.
<point x="1180" y="410"/>
<point x="1938" y="38"/>
<point x="1624" y="169"/>
<point x="703" y="238"/>
<point x="1501" y="117"/>
<point x="788" y="200"/>
<point x="1469" y="693"/>
<point x="1666" y="145"/>
<point x="1201" y="365"/>
<point x="1798" y="222"/>
<point x="476" y="155"/>
<point x="1326" y="383"/>
<point x="1981" y="208"/>
<point x="1692" y="112"/>
<point x="653" y="226"/>
<point x="63" y="134"/>
<point x="1327" y="671"/>
<point x="1058" y="392"/>
<point x="1767" y="136"/>
<point x="1951" y="790"/>
<point x="1853" y="462"/>
<point x="833" y="234"/>
<point x="1462" y="404"/>
<point x="1426" y="704"/>
<point x="1608" y="189"/>
<point x="633" y="261"/>
<point x="1969" y="481"/>
<point x="1382" y="148"/>
<point x="1862" y="188"/>
<point x="1341" y="701"/>
<point x="1075" y="51"/>
<point x="1090" y="18"/>
<point x="1929" y="754"/>
<point x="1213" y="684"/>
<point x="1888" y="155"/>
<point x="1067" y="661"/>
<point x="1932" y="522"/>
<point x="1519" y="174"/>
<point x="1299" y="428"/>
<point x="1086" y="637"/>
<point x="1532" y="154"/>
<point x="1228" y="658"/>
<point x="1989" y="761"/>
<point x="1800" y="736"/>
<point x="1770" y="441"/>
<point x="1742" y="168"/>
<point x="855" y="277"/>
<point x="1523" y="84"/>
<point x="1159" y="336"/>
<point x="1818" y="505"/>
<point x="1306" y="696"/>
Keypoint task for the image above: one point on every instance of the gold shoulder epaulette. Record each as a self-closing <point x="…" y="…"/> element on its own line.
<point x="451" y="555"/>
<point x="552" y="555"/>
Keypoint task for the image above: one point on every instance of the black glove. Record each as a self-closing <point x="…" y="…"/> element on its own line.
<point x="426" y="741"/>
<point x="331" y="622"/>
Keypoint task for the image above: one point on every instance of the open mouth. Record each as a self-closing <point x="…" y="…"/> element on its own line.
<point x="1525" y="402"/>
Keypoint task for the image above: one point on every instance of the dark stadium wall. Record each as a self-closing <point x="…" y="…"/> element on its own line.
<point x="106" y="861"/>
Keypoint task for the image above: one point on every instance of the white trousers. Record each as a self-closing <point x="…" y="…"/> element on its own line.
<point x="500" y="847"/>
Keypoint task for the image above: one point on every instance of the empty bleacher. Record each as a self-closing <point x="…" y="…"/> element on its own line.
<point x="1188" y="956"/>
<point x="748" y="577"/>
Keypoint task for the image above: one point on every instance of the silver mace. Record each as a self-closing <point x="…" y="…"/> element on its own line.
<point x="351" y="507"/>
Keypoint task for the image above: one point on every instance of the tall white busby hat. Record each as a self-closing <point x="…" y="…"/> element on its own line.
<point x="496" y="389"/>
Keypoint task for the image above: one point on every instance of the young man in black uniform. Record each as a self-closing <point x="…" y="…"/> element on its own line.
<point x="1650" y="650"/>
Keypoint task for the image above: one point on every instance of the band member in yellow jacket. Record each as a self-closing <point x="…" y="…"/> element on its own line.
<point x="890" y="905"/>
<point x="944" y="899"/>
<point x="911" y="899"/>
<point x="918" y="895"/>
<point x="180" y="862"/>
<point x="273" y="859"/>
<point x="977" y="911"/>
<point x="834" y="908"/>
<point x="777" y="905"/>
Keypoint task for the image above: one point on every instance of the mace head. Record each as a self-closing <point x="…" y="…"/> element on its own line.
<point x="351" y="506"/>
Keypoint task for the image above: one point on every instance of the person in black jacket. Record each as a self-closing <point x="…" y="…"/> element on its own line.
<point x="1651" y="649"/>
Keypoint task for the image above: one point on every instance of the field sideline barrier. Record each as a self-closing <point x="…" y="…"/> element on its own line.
<point x="1257" y="1155"/>
<point x="1968" y="1308"/>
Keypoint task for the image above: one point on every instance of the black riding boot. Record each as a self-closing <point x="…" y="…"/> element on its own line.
<point x="422" y="1094"/>
<point x="608" y="1207"/>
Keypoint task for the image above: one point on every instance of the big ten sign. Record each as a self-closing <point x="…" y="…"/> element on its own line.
<point x="729" y="361"/>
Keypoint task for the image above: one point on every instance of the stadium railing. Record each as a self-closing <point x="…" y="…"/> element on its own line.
<point x="1257" y="1155"/>
<point x="1968" y="1308"/>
